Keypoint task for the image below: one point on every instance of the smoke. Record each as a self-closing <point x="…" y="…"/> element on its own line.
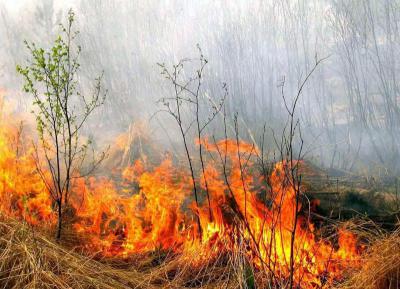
<point x="349" y="108"/>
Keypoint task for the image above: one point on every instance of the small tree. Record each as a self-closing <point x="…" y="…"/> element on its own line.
<point x="189" y="97"/>
<point x="60" y="111"/>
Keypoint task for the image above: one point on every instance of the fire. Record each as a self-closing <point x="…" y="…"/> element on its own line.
<point x="148" y="207"/>
<point x="22" y="190"/>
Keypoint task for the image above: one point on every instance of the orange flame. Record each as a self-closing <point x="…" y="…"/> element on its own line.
<point x="150" y="208"/>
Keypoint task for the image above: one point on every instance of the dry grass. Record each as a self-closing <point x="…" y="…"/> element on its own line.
<point x="30" y="260"/>
<point x="381" y="265"/>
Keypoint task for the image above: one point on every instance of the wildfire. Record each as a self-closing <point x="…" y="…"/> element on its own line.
<point x="22" y="191"/>
<point x="147" y="208"/>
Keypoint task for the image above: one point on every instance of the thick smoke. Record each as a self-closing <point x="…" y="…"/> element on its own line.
<point x="349" y="109"/>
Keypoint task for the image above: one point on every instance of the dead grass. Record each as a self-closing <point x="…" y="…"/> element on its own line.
<point x="381" y="265"/>
<point x="30" y="260"/>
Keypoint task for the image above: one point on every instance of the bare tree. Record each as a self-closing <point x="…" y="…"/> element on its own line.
<point x="188" y="94"/>
<point x="291" y="159"/>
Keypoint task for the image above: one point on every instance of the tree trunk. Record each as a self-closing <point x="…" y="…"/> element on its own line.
<point x="59" y="221"/>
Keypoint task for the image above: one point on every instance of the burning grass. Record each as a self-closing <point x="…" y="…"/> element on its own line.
<point x="32" y="259"/>
<point x="140" y="222"/>
<point x="380" y="266"/>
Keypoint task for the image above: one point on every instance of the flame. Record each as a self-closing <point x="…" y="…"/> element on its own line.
<point x="22" y="190"/>
<point x="150" y="207"/>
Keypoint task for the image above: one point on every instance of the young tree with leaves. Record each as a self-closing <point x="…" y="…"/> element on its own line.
<point x="61" y="111"/>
